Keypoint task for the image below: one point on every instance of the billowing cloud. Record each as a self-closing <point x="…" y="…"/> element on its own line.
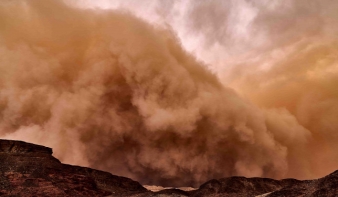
<point x="110" y="91"/>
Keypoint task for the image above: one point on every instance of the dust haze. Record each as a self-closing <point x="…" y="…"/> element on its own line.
<point x="109" y="89"/>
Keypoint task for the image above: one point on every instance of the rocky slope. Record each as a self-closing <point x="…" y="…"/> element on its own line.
<point x="31" y="170"/>
<point x="263" y="187"/>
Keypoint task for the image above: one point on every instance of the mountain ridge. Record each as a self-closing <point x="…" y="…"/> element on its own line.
<point x="30" y="170"/>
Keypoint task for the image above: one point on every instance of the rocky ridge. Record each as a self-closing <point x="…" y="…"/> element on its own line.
<point x="31" y="170"/>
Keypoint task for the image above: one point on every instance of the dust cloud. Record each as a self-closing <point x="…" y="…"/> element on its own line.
<point x="108" y="90"/>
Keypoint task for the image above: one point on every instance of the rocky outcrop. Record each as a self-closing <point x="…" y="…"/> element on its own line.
<point x="326" y="187"/>
<point x="264" y="187"/>
<point x="31" y="170"/>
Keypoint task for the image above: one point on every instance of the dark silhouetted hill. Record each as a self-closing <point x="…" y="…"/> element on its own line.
<point x="31" y="170"/>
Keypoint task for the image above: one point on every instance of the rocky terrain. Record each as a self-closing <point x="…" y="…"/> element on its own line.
<point x="31" y="170"/>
